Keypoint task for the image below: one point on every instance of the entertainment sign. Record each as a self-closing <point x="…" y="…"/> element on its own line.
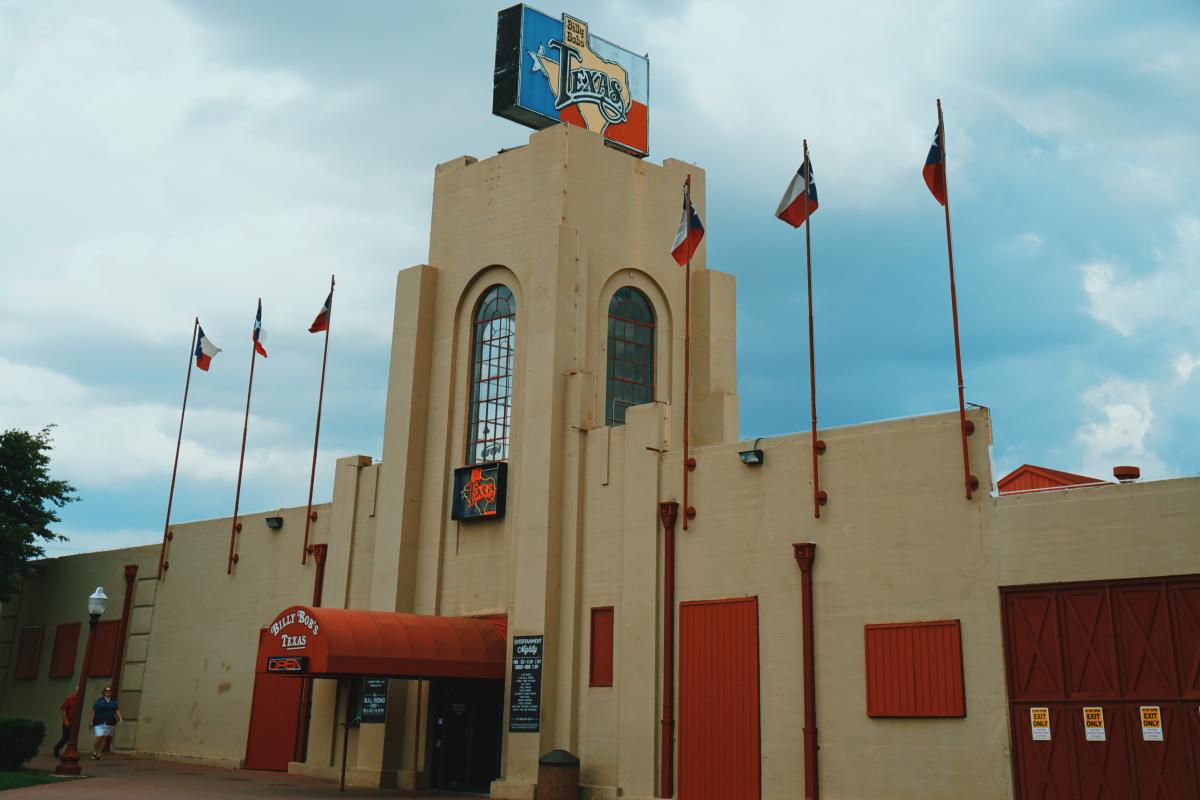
<point x="525" y="699"/>
<point x="554" y="70"/>
<point x="479" y="491"/>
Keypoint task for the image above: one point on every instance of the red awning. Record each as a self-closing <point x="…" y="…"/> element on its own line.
<point x="333" y="642"/>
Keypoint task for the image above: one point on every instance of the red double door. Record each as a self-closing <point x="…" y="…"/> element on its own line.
<point x="1120" y="655"/>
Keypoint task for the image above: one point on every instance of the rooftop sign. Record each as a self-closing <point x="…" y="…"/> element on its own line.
<point x="554" y="70"/>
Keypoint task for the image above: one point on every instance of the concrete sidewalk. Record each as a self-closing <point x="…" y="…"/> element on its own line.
<point x="120" y="777"/>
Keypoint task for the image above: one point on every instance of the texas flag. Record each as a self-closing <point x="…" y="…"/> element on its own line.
<point x="690" y="232"/>
<point x="794" y="209"/>
<point x="321" y="323"/>
<point x="935" y="167"/>
<point x="205" y="350"/>
<point x="259" y="333"/>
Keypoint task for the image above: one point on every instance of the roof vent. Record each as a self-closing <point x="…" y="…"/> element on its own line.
<point x="1127" y="474"/>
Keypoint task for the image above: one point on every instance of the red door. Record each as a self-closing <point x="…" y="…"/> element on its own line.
<point x="274" y="719"/>
<point x="1046" y="773"/>
<point x="1117" y="646"/>
<point x="718" y="700"/>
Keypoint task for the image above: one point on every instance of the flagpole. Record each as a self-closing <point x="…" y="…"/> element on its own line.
<point x="187" y="383"/>
<point x="817" y="446"/>
<point x="237" y="496"/>
<point x="312" y="476"/>
<point x="970" y="482"/>
<point x="688" y="463"/>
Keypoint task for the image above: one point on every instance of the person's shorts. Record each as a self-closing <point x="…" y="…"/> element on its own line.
<point x="104" y="730"/>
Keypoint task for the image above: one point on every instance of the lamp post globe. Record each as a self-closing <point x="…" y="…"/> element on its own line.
<point x="97" y="603"/>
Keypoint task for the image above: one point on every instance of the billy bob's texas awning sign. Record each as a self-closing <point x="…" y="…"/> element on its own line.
<point x="554" y="70"/>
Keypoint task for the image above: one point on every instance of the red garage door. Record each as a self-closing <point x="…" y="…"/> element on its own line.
<point x="718" y="700"/>
<point x="1104" y="688"/>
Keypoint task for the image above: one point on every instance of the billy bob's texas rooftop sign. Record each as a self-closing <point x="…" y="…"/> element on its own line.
<point x="554" y="70"/>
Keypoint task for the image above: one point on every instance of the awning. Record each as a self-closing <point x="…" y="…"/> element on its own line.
<point x="339" y="642"/>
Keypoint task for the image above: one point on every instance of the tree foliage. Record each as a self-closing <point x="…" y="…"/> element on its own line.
<point x="29" y="499"/>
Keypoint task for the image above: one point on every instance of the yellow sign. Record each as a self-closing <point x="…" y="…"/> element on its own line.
<point x="1152" y="724"/>
<point x="1039" y="723"/>
<point x="1093" y="723"/>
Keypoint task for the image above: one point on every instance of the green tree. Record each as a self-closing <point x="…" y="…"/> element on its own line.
<point x="28" y="502"/>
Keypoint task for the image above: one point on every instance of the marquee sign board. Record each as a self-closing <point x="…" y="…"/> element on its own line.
<point x="372" y="702"/>
<point x="555" y="70"/>
<point x="525" y="696"/>
<point x="479" y="492"/>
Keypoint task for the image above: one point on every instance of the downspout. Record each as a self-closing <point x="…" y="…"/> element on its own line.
<point x="668" y="512"/>
<point x="300" y="751"/>
<point x="805" y="553"/>
<point x="131" y="571"/>
<point x="122" y="631"/>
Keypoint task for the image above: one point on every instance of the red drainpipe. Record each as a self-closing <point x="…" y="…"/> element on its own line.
<point x="668" y="512"/>
<point x="122" y="631"/>
<point x="805" y="553"/>
<point x="300" y="751"/>
<point x="318" y="553"/>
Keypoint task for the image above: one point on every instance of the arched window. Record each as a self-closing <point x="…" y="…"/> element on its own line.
<point x="630" y="379"/>
<point x="493" y="337"/>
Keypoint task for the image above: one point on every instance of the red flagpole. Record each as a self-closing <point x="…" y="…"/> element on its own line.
<point x="237" y="496"/>
<point x="312" y="476"/>
<point x="688" y="463"/>
<point x="970" y="482"/>
<point x="817" y="446"/>
<point x="187" y="383"/>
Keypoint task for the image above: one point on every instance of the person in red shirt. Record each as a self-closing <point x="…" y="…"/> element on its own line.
<point x="69" y="709"/>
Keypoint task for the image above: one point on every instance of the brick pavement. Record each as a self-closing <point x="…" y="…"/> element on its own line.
<point x="120" y="777"/>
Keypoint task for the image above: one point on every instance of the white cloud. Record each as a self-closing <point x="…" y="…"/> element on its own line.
<point x="1118" y="420"/>
<point x="103" y="443"/>
<point x="1185" y="364"/>
<point x="1168" y="295"/>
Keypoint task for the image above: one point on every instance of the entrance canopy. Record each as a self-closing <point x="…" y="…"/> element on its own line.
<point x="339" y="642"/>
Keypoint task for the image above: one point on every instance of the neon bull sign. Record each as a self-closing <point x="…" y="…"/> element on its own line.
<point x="554" y="70"/>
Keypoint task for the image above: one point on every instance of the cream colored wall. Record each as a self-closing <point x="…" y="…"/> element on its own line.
<point x="198" y="677"/>
<point x="57" y="594"/>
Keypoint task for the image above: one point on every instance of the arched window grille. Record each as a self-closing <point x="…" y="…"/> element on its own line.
<point x="630" y="379"/>
<point x="492" y="341"/>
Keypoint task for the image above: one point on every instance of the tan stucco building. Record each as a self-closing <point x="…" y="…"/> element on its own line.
<point x="547" y="332"/>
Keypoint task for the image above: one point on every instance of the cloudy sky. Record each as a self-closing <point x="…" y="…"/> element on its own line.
<point x="162" y="160"/>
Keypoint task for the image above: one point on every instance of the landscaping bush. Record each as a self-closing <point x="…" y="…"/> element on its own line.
<point x="19" y="741"/>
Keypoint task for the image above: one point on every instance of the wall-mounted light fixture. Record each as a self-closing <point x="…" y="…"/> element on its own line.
<point x="752" y="457"/>
<point x="274" y="523"/>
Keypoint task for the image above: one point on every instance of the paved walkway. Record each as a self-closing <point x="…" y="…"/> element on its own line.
<point x="121" y="777"/>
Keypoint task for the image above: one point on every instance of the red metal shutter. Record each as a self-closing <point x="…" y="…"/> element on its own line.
<point x="66" y="645"/>
<point x="104" y="652"/>
<point x="718" y="700"/>
<point x="1087" y="631"/>
<point x="1185" y="605"/>
<point x="29" y="652"/>
<point x="1143" y="632"/>
<point x="601" y="673"/>
<point x="914" y="669"/>
<point x="1031" y="632"/>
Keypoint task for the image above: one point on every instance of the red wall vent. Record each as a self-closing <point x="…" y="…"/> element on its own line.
<point x="602" y="647"/>
<point x="915" y="669"/>
<point x="66" y="644"/>
<point x="29" y="652"/>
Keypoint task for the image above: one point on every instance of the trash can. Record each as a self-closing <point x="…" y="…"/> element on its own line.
<point x="558" y="776"/>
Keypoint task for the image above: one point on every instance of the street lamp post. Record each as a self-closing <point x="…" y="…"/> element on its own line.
<point x="69" y="763"/>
